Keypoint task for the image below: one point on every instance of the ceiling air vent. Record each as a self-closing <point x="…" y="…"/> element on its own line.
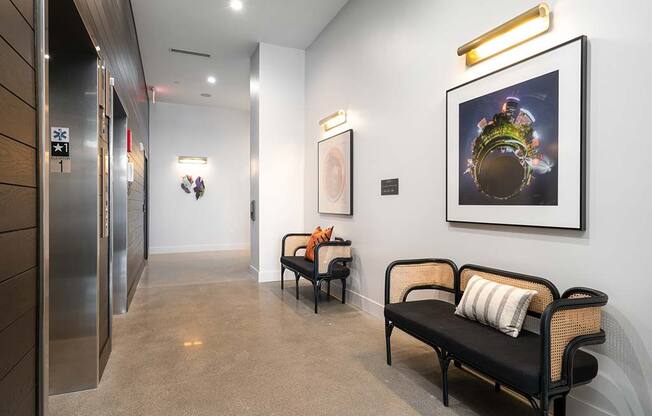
<point x="185" y="52"/>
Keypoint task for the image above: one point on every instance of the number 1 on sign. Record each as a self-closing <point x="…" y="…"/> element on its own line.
<point x="60" y="166"/>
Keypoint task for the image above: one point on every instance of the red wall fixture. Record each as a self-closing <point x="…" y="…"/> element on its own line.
<point x="129" y="140"/>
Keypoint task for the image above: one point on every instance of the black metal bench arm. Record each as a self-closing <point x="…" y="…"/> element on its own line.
<point x="420" y="284"/>
<point x="294" y="242"/>
<point x="559" y="329"/>
<point x="325" y="256"/>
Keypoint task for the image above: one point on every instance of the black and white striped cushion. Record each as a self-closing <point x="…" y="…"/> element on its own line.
<point x="501" y="306"/>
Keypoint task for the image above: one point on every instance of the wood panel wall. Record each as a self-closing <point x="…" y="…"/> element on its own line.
<point x="111" y="25"/>
<point x="18" y="211"/>
<point x="135" y="227"/>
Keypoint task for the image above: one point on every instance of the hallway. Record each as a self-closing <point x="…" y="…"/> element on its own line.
<point x="202" y="338"/>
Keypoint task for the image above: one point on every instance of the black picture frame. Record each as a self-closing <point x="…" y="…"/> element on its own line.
<point x="351" y="171"/>
<point x="583" y="72"/>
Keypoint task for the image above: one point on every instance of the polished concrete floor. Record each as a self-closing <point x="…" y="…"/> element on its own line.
<point x="202" y="338"/>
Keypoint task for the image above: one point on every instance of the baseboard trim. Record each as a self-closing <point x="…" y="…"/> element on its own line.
<point x="269" y="276"/>
<point x="197" y="248"/>
<point x="360" y="301"/>
<point x="253" y="272"/>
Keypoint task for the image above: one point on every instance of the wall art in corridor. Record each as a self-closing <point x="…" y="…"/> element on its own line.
<point x="335" y="171"/>
<point x="515" y="143"/>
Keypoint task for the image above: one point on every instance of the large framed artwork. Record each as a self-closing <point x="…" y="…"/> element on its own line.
<point x="515" y="143"/>
<point x="335" y="167"/>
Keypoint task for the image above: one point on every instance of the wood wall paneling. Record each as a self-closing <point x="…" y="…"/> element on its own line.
<point x="16" y="75"/>
<point x="16" y="31"/>
<point x="18" y="252"/>
<point x="26" y="8"/>
<point x="18" y="387"/>
<point x="18" y="211"/>
<point x="18" y="207"/>
<point x="17" y="338"/>
<point x="17" y="163"/>
<point x="17" y="296"/>
<point x="17" y="119"/>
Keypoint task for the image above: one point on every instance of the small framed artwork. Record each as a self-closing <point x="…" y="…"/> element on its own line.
<point x="335" y="171"/>
<point x="515" y="143"/>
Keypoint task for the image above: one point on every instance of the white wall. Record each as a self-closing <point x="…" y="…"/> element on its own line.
<point x="390" y="63"/>
<point x="280" y="101"/>
<point x="254" y="130"/>
<point x="220" y="219"/>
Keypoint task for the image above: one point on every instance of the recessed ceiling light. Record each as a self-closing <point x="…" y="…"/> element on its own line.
<point x="211" y="80"/>
<point x="206" y="95"/>
<point x="236" y="5"/>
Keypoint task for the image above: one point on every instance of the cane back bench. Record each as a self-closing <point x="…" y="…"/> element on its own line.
<point x="541" y="367"/>
<point x="332" y="260"/>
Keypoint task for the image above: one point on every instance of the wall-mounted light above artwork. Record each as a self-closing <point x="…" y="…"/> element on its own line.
<point x="336" y="119"/>
<point x="192" y="160"/>
<point x="516" y="31"/>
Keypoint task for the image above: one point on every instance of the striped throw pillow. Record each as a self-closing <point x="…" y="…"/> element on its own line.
<point x="501" y="306"/>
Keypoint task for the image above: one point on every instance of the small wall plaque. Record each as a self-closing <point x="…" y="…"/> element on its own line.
<point x="60" y="165"/>
<point x="389" y="186"/>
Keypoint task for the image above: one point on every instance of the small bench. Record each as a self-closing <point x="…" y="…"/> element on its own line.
<point x="331" y="263"/>
<point x="541" y="367"/>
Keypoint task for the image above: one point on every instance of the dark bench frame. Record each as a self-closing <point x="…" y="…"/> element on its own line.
<point x="550" y="392"/>
<point x="317" y="278"/>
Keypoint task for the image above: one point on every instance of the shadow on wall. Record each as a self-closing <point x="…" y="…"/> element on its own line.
<point x="624" y="364"/>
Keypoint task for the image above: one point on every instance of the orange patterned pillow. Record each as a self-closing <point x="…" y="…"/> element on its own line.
<point x="318" y="236"/>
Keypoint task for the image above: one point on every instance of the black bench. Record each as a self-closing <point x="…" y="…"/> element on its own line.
<point x="541" y="367"/>
<point x="331" y="263"/>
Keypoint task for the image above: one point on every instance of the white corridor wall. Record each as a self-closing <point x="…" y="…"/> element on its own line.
<point x="219" y="220"/>
<point x="389" y="63"/>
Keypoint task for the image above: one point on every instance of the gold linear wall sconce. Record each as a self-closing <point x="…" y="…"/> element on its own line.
<point x="192" y="160"/>
<point x="336" y="119"/>
<point x="516" y="31"/>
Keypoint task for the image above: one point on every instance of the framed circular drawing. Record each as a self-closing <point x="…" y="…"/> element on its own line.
<point x="335" y="171"/>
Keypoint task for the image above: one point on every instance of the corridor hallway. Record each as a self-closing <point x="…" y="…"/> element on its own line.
<point x="202" y="338"/>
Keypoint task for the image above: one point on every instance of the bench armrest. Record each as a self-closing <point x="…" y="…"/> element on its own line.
<point x="330" y="252"/>
<point x="567" y="324"/>
<point x="293" y="242"/>
<point x="404" y="276"/>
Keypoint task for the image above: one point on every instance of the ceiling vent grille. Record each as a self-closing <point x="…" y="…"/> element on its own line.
<point x="193" y="53"/>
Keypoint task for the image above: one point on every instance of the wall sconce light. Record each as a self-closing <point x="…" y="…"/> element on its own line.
<point x="516" y="31"/>
<point x="192" y="160"/>
<point x="336" y="119"/>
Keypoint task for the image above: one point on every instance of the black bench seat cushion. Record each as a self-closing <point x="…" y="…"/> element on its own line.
<point x="516" y="361"/>
<point x="307" y="268"/>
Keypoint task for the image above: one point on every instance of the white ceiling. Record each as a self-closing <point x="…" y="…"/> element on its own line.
<point x="230" y="37"/>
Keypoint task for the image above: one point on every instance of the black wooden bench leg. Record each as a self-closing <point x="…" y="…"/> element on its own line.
<point x="343" y="290"/>
<point x="560" y="406"/>
<point x="497" y="387"/>
<point x="317" y="288"/>
<point x="296" y="276"/>
<point x="544" y="406"/>
<point x="444" y="361"/>
<point x="388" y="344"/>
<point x="282" y="270"/>
<point x="328" y="289"/>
